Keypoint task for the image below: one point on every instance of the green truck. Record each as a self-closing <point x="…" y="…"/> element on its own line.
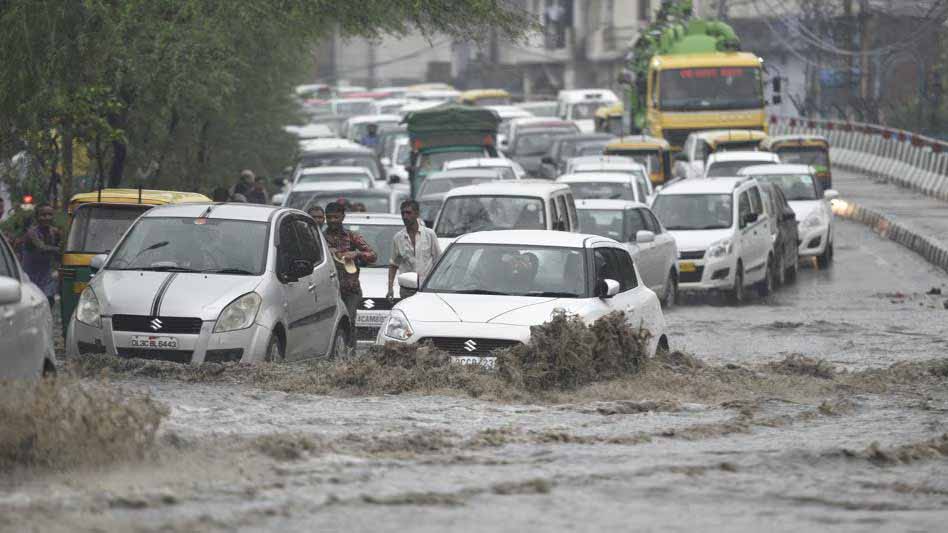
<point x="448" y="132"/>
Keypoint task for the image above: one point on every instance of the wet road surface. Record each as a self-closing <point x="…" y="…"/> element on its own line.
<point x="779" y="458"/>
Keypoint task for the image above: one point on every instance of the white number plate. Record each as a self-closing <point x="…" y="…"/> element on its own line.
<point x="158" y="343"/>
<point x="370" y="319"/>
<point x="486" y="362"/>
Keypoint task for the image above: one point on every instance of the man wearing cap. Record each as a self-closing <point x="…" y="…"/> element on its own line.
<point x="349" y="250"/>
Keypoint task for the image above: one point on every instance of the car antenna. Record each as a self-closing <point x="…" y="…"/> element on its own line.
<point x="206" y="211"/>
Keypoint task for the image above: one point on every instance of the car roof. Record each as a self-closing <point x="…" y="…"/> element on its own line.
<point x="469" y="172"/>
<point x="310" y="186"/>
<point x="510" y="188"/>
<point x="362" y="119"/>
<point x="131" y="197"/>
<point x="349" y="189"/>
<point x="479" y="162"/>
<point x="582" y="177"/>
<point x="702" y="186"/>
<point x="781" y="168"/>
<point x="311" y="171"/>
<point x="374" y="219"/>
<point x="532" y="237"/>
<point x="581" y="137"/>
<point x="540" y="121"/>
<point x="731" y="135"/>
<point x="351" y="100"/>
<point x="633" y="142"/>
<point x="582" y="95"/>
<point x="537" y="103"/>
<point x="509" y="111"/>
<point x="608" y="205"/>
<point x="234" y="211"/>
<point x="743" y="155"/>
<point x="625" y="163"/>
<point x="326" y="143"/>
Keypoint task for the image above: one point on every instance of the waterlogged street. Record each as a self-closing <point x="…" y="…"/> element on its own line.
<point x="745" y="437"/>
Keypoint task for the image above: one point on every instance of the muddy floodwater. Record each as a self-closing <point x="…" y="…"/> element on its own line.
<point x="750" y="441"/>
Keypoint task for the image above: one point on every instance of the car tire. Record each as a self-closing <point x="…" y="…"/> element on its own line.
<point x="276" y="351"/>
<point x="340" y="345"/>
<point x="780" y="269"/>
<point x="766" y="286"/>
<point x="736" y="296"/>
<point x="826" y="258"/>
<point x="791" y="274"/>
<point x="670" y="298"/>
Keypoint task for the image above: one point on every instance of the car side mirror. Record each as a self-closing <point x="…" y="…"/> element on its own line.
<point x="97" y="262"/>
<point x="607" y="288"/>
<point x="277" y="199"/>
<point x="644" y="236"/>
<point x="750" y="218"/>
<point x="829" y="194"/>
<point x="298" y="268"/>
<point x="408" y="280"/>
<point x="10" y="291"/>
<point x="386" y="161"/>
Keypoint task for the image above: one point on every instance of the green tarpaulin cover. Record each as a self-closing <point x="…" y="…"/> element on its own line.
<point x="451" y="118"/>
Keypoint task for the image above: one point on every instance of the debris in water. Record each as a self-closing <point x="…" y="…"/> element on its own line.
<point x="934" y="291"/>
<point x="533" y="486"/>
<point x="800" y="365"/>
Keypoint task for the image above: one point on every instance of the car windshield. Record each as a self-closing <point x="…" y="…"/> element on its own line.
<point x="692" y="89"/>
<point x="428" y="210"/>
<point x="537" y="142"/>
<point x="434" y="161"/>
<point x="353" y="108"/>
<point x="379" y="237"/>
<point x="365" y="161"/>
<point x="436" y="186"/>
<point x="357" y="131"/>
<point x="97" y="229"/>
<point x="603" y="222"/>
<point x="646" y="158"/>
<point x="193" y="245"/>
<point x="723" y="169"/>
<point x="796" y="187"/>
<point x="403" y="155"/>
<point x="373" y="203"/>
<point x="694" y="211"/>
<point x="736" y="146"/>
<point x="585" y="110"/>
<point x="466" y="214"/>
<point x="542" y="110"/>
<point x="815" y="157"/>
<point x="586" y="190"/>
<point x="510" y="270"/>
<point x="360" y="179"/>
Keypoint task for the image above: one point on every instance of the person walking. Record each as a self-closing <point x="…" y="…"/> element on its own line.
<point x="414" y="249"/>
<point x="349" y="250"/>
<point x="41" y="252"/>
<point x="258" y="194"/>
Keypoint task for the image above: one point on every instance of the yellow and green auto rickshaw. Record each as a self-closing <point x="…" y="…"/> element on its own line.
<point x="813" y="150"/>
<point x="485" y="97"/>
<point x="97" y="220"/>
<point x="609" y="119"/>
<point x="652" y="152"/>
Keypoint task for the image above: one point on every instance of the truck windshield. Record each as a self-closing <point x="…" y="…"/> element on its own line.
<point x="97" y="228"/>
<point x="467" y="214"/>
<point x="693" y="89"/>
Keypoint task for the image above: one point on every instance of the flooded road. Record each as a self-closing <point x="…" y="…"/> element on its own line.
<point x="738" y="445"/>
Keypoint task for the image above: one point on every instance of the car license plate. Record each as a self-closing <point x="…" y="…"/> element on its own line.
<point x="370" y="319"/>
<point x="486" y="362"/>
<point x="158" y="343"/>
<point x="687" y="266"/>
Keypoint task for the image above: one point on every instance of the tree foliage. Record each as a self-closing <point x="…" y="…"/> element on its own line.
<point x="183" y="93"/>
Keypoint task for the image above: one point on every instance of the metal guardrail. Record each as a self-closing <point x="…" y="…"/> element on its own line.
<point x="897" y="156"/>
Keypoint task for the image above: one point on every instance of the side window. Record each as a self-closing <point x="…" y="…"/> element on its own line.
<point x="571" y="210"/>
<point x="310" y="246"/>
<point x="641" y="189"/>
<point x="605" y="265"/>
<point x="7" y="264"/>
<point x="756" y="203"/>
<point x="627" y="278"/>
<point x="289" y="243"/>
<point x="634" y="223"/>
<point x="563" y="213"/>
<point x="743" y="208"/>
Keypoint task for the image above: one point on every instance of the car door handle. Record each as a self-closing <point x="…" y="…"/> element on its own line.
<point x="332" y="275"/>
<point x="311" y="287"/>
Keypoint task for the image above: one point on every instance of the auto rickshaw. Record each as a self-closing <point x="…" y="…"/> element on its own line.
<point x="652" y="152"/>
<point x="609" y="119"/>
<point x="97" y="220"/>
<point x="485" y="97"/>
<point x="810" y="150"/>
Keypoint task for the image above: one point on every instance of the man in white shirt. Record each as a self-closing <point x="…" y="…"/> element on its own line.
<point x="414" y="249"/>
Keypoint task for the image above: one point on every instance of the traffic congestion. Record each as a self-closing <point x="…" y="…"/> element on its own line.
<point x="634" y="301"/>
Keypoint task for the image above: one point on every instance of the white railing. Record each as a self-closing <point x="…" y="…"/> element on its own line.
<point x="897" y="156"/>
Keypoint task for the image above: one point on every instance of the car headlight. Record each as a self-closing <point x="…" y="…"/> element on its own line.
<point x="814" y="220"/>
<point x="87" y="310"/>
<point x="397" y="326"/>
<point x="239" y="314"/>
<point x="721" y="248"/>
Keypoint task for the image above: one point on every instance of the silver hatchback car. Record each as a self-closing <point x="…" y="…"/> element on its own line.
<point x="196" y="283"/>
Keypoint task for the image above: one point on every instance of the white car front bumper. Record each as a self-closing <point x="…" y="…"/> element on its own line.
<point x="706" y="274"/>
<point x="813" y="240"/>
<point x="464" y="340"/>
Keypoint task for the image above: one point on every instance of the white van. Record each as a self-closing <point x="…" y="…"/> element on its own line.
<point x="580" y="106"/>
<point x="521" y="204"/>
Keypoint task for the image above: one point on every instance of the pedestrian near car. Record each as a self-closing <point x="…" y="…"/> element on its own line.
<point x="244" y="183"/>
<point x="258" y="194"/>
<point x="41" y="251"/>
<point x="414" y="249"/>
<point x="319" y="215"/>
<point x="349" y="250"/>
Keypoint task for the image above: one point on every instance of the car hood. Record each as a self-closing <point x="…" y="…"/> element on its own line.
<point x="699" y="239"/>
<point x="184" y="295"/>
<point x="374" y="282"/>
<point x="478" y="308"/>
<point x="803" y="208"/>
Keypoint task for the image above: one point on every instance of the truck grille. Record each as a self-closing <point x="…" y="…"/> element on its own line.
<point x="157" y="325"/>
<point x="469" y="346"/>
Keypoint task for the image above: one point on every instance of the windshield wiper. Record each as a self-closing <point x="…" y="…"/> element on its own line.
<point x="553" y="294"/>
<point x="480" y="291"/>
<point x="168" y="268"/>
<point x="229" y="271"/>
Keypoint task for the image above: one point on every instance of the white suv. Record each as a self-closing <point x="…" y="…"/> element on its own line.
<point x="722" y="232"/>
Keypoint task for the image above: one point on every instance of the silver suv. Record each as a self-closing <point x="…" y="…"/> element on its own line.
<point x="213" y="283"/>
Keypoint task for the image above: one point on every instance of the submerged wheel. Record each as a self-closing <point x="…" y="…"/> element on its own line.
<point x="275" y="349"/>
<point x="340" y="345"/>
<point x="766" y="285"/>
<point x="670" y="297"/>
<point x="826" y="258"/>
<point x="736" y="296"/>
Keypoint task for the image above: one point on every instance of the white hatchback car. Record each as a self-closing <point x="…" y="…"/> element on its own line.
<point x="489" y="288"/>
<point x="607" y="186"/>
<point x="809" y="202"/>
<point x="26" y="323"/>
<point x="509" y="166"/>
<point x="729" y="164"/>
<point x="633" y="224"/>
<point x="723" y="235"/>
<point x="194" y="283"/>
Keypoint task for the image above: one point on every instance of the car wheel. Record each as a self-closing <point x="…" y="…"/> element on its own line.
<point x="670" y="297"/>
<point x="766" y="286"/>
<point x="275" y="349"/>
<point x="791" y="274"/>
<point x="736" y="296"/>
<point x="340" y="345"/>
<point x="826" y="259"/>
<point x="780" y="269"/>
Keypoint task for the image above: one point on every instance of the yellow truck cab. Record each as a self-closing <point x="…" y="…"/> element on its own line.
<point x="97" y="220"/>
<point x="813" y="150"/>
<point x="651" y="152"/>
<point x="689" y="163"/>
<point x="609" y="119"/>
<point x="485" y="97"/>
